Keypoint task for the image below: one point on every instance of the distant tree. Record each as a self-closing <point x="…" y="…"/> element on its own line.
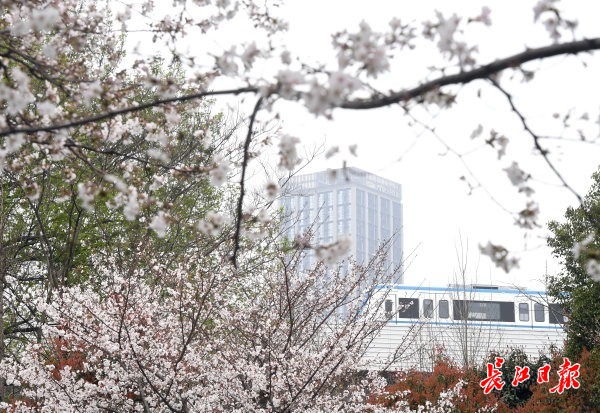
<point x="474" y="341"/>
<point x="576" y="243"/>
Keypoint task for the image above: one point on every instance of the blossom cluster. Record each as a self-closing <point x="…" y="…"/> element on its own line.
<point x="192" y="338"/>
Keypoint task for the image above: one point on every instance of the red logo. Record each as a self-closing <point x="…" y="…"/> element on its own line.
<point x="567" y="374"/>
<point x="521" y="374"/>
<point x="494" y="377"/>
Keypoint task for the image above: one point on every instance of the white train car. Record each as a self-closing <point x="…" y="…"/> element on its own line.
<point x="465" y="323"/>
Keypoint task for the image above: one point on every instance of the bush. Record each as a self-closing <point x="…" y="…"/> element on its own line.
<point x="421" y="388"/>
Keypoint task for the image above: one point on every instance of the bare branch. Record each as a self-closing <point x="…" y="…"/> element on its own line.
<point x="536" y="140"/>
<point x="238" y="221"/>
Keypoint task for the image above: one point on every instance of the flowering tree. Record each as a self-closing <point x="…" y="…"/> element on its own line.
<point x="179" y="311"/>
<point x="194" y="338"/>
<point x="65" y="211"/>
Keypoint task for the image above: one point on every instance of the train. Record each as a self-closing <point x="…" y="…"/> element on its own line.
<point x="465" y="323"/>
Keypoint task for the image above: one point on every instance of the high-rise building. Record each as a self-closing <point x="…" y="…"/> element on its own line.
<point x="348" y="201"/>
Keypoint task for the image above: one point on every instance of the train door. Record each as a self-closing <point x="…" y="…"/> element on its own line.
<point x="441" y="308"/>
<point x="428" y="303"/>
<point x="389" y="307"/>
<point x="524" y="308"/>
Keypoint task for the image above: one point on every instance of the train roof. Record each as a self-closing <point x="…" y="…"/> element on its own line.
<point x="477" y="288"/>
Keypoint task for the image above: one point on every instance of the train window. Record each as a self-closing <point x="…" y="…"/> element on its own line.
<point x="389" y="308"/>
<point x="408" y="307"/>
<point x="556" y="314"/>
<point x="443" y="309"/>
<point x="484" y="310"/>
<point x="538" y="313"/>
<point x="428" y="308"/>
<point x="523" y="312"/>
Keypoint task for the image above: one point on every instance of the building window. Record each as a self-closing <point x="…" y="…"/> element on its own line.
<point x="343" y="196"/>
<point x="384" y="219"/>
<point x="538" y="313"/>
<point x="523" y="312"/>
<point x="325" y="214"/>
<point x="361" y="239"/>
<point x="428" y="308"/>
<point x="444" y="309"/>
<point x="343" y="211"/>
<point x="343" y="227"/>
<point x="396" y="232"/>
<point x="306" y="265"/>
<point x="360" y="246"/>
<point x="305" y="214"/>
<point x="372" y="224"/>
<point x="408" y="307"/>
<point x="288" y="218"/>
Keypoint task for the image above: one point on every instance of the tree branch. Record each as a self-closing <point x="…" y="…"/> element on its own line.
<point x="536" y="140"/>
<point x="238" y="221"/>
<point x="482" y="72"/>
<point x="130" y="109"/>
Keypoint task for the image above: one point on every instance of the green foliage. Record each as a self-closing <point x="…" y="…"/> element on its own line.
<point x="572" y="287"/>
<point x="50" y="238"/>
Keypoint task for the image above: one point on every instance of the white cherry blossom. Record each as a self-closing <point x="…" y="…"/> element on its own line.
<point x="288" y="153"/>
<point x="159" y="224"/>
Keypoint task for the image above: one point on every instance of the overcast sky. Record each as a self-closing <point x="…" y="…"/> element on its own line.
<point x="440" y="210"/>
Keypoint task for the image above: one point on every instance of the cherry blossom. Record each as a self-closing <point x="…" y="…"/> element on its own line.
<point x="499" y="256"/>
<point x="581" y="246"/>
<point x="159" y="224"/>
<point x="527" y="218"/>
<point x="212" y="224"/>
<point x="271" y="190"/>
<point x="332" y="151"/>
<point x="189" y="340"/>
<point x="94" y="127"/>
<point x="132" y="207"/>
<point x="519" y="178"/>
<point x="334" y="252"/>
<point x="86" y="193"/>
<point x="288" y="153"/>
<point x="218" y="174"/>
<point x="592" y="268"/>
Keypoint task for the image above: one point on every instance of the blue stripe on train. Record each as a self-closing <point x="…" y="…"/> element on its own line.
<point x="454" y="289"/>
<point x="447" y="323"/>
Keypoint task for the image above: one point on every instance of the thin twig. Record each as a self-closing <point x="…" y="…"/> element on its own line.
<point x="461" y="158"/>
<point x="536" y="140"/>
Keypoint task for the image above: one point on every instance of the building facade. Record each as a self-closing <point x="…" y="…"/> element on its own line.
<point x="350" y="202"/>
